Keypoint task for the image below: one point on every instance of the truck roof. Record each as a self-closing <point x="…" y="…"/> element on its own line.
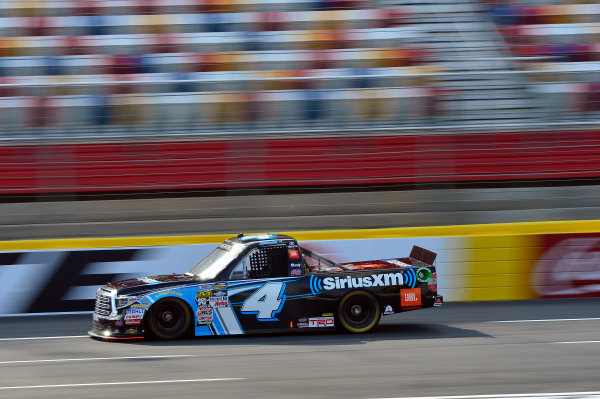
<point x="253" y="238"/>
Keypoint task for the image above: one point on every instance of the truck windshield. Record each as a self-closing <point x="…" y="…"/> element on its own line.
<point x="217" y="260"/>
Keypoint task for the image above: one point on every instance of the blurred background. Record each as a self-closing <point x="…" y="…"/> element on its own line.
<point x="195" y="116"/>
<point x="122" y="119"/>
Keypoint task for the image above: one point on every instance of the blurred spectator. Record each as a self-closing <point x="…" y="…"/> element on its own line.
<point x="392" y="17"/>
<point x="8" y="89"/>
<point x="362" y="80"/>
<point x="73" y="45"/>
<point x="101" y="109"/>
<point x="145" y="7"/>
<point x="321" y="59"/>
<point x="214" y="22"/>
<point x="84" y="8"/>
<point x="313" y="107"/>
<point x="126" y="64"/>
<point x="182" y="86"/>
<point x="96" y="25"/>
<point x="53" y="66"/>
<point x="38" y="26"/>
<point x="40" y="114"/>
<point x="252" y="41"/>
<point x="251" y="106"/>
<point x="145" y="63"/>
<point x="164" y="43"/>
<point x="271" y="21"/>
<point x="592" y="100"/>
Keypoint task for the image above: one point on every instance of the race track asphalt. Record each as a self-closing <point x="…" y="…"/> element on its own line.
<point x="490" y="348"/>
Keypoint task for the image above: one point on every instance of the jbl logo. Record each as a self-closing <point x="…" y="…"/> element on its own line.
<point x="411" y="297"/>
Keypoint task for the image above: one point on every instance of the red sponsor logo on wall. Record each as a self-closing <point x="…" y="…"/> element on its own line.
<point x="569" y="266"/>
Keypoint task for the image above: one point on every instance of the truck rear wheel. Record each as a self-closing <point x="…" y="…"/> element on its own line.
<point x="359" y="311"/>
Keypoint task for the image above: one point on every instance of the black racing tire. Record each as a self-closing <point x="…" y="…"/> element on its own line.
<point x="169" y="318"/>
<point x="359" y="312"/>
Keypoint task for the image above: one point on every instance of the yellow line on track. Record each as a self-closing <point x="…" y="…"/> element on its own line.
<point x="498" y="229"/>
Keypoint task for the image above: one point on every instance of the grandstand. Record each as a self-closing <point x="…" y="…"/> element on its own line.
<point x="88" y="68"/>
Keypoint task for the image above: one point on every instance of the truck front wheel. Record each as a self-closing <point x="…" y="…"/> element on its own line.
<point x="169" y="319"/>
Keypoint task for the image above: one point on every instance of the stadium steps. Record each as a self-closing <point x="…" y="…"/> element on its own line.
<point x="480" y="83"/>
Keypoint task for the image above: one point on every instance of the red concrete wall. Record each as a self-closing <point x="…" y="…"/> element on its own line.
<point x="288" y="162"/>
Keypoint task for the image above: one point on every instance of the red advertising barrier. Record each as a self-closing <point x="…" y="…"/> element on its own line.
<point x="292" y="162"/>
<point x="568" y="267"/>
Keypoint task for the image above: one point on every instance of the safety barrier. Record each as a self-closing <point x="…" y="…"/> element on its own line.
<point x="475" y="262"/>
<point x="298" y="162"/>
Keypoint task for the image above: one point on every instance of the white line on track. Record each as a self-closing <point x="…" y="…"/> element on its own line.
<point x="93" y="358"/>
<point x="34" y="338"/>
<point x="577" y="342"/>
<point x="542" y="320"/>
<point x="99" y="384"/>
<point x="45" y="314"/>
<point x="570" y="395"/>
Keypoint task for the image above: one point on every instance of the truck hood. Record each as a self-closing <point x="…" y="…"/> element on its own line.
<point x="164" y="281"/>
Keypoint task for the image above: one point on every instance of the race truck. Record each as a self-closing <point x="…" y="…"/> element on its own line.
<point x="265" y="283"/>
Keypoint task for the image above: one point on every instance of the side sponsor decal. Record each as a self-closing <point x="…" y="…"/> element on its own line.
<point x="407" y="277"/>
<point x="302" y="322"/>
<point x="293" y="253"/>
<point x="388" y="310"/>
<point x="326" y="321"/>
<point x="134" y="314"/>
<point x="214" y="314"/>
<point x="315" y="284"/>
<point x="208" y="299"/>
<point x="204" y="315"/>
<point x="411" y="297"/>
<point x="204" y="312"/>
<point x="423" y="274"/>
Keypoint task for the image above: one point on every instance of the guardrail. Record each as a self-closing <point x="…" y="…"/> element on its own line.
<point x="298" y="162"/>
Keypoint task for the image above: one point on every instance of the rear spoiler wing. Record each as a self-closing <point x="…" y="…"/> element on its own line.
<point x="422" y="255"/>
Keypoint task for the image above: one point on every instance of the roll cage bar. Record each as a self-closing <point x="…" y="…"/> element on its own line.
<point x="320" y="259"/>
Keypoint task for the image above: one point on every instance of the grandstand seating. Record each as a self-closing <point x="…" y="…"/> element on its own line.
<point x="192" y="63"/>
<point x="197" y="65"/>
<point x="561" y="40"/>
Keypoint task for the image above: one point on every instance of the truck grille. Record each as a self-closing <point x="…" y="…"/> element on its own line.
<point x="102" y="305"/>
